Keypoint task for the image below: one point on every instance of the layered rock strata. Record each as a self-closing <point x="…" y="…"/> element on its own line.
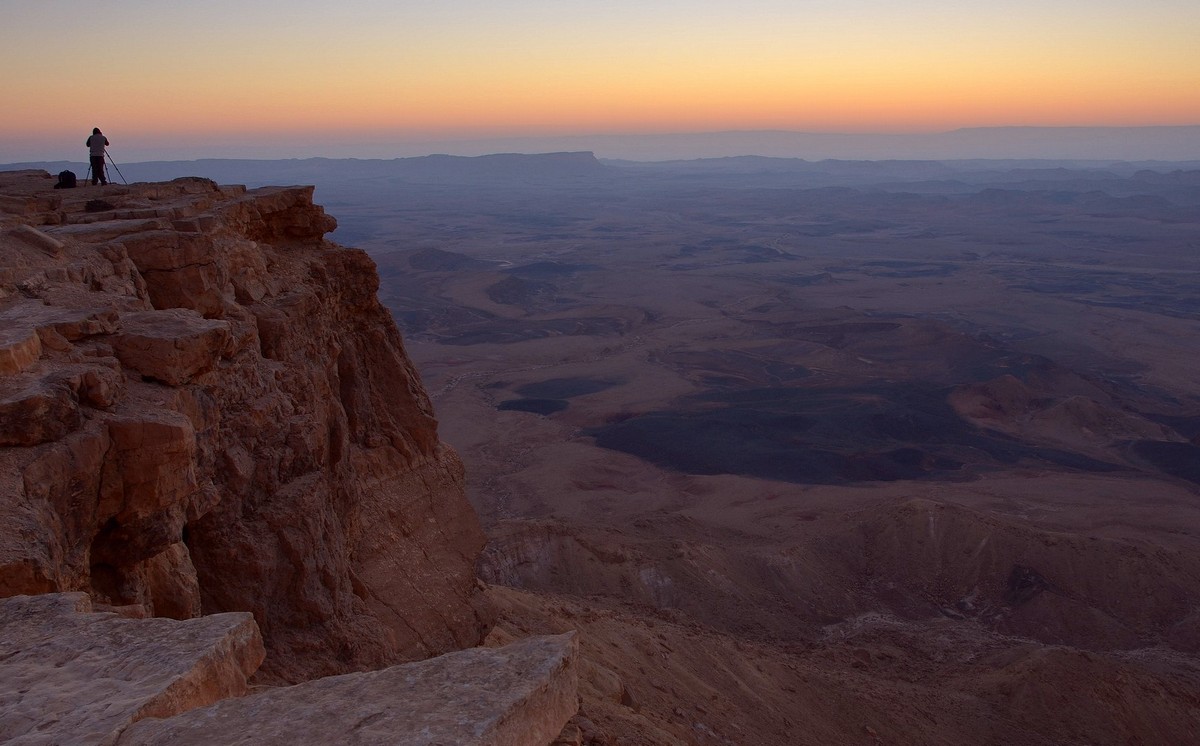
<point x="204" y="408"/>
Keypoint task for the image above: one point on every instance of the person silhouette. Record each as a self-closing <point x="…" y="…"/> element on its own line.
<point x="96" y="147"/>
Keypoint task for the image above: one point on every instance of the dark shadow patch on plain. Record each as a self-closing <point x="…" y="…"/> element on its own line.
<point x="509" y="331"/>
<point x="907" y="269"/>
<point x="548" y="270"/>
<point x="758" y="254"/>
<point x="803" y="281"/>
<point x="735" y="370"/>
<point x="1186" y="425"/>
<point x="1181" y="460"/>
<point x="823" y="436"/>
<point x="515" y="291"/>
<point x="834" y="335"/>
<point x="439" y="260"/>
<point x="544" y="407"/>
<point x="428" y="315"/>
<point x="565" y="388"/>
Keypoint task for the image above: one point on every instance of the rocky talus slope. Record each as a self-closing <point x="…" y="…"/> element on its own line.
<point x="204" y="409"/>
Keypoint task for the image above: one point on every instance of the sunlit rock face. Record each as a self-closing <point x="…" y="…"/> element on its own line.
<point x="204" y="408"/>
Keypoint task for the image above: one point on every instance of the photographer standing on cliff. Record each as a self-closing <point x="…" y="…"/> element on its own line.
<point x="96" y="146"/>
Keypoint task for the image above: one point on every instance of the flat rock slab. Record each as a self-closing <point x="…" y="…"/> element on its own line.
<point x="69" y="676"/>
<point x="107" y="230"/>
<point x="518" y="695"/>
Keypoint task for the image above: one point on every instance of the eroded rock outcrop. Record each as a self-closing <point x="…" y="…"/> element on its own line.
<point x="204" y="408"/>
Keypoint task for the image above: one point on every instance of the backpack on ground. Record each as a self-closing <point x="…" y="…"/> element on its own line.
<point x="66" y="180"/>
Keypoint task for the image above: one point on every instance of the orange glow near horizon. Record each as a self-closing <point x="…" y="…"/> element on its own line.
<point x="537" y="68"/>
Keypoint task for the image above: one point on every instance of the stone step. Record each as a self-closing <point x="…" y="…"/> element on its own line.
<point x="70" y="676"/>
<point x="521" y="694"/>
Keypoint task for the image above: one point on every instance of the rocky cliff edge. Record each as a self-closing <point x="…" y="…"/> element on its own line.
<point x="205" y="409"/>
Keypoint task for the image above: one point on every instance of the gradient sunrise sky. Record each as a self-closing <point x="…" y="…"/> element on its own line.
<point x="243" y="78"/>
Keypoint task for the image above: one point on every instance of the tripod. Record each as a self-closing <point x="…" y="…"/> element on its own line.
<point x="107" y="160"/>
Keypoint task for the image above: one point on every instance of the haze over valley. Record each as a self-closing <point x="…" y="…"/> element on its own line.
<point x="821" y="452"/>
<point x="806" y="451"/>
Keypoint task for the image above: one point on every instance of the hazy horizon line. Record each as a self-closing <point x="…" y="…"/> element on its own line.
<point x="999" y="142"/>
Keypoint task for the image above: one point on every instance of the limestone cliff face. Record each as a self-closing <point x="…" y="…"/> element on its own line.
<point x="204" y="408"/>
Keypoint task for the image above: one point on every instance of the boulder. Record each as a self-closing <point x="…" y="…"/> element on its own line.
<point x="172" y="346"/>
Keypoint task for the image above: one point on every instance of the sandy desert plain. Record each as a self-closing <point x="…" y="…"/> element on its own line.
<point x="819" y="453"/>
<point x="823" y="453"/>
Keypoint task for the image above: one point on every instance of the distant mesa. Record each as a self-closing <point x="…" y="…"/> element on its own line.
<point x="504" y="167"/>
